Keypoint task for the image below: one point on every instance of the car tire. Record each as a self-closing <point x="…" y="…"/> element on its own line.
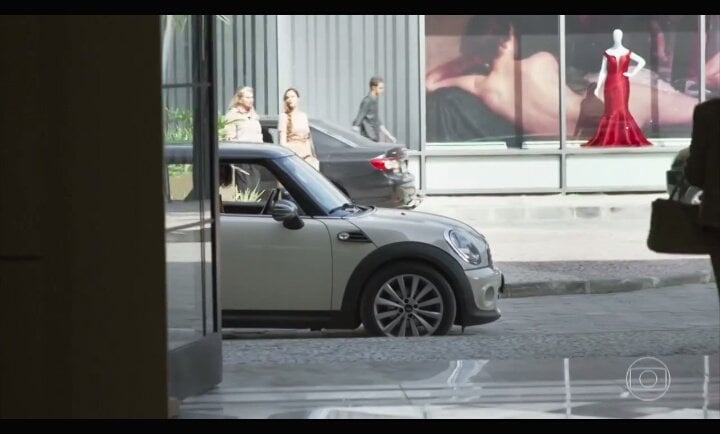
<point x="407" y="299"/>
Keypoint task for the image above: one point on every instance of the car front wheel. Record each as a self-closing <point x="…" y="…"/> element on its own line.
<point x="408" y="299"/>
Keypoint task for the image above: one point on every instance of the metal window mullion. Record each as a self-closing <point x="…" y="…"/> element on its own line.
<point x="701" y="71"/>
<point x="212" y="168"/>
<point x="199" y="142"/>
<point x="423" y="107"/>
<point x="563" y="105"/>
<point x="233" y="47"/>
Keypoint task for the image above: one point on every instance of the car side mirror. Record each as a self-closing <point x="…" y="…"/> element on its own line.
<point x="286" y="211"/>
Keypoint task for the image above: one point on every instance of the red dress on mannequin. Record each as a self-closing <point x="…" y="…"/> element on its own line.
<point x="617" y="126"/>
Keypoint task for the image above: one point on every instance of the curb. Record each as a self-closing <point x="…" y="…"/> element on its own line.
<point x="600" y="286"/>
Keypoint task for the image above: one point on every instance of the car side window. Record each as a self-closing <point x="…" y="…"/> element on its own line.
<point x="246" y="188"/>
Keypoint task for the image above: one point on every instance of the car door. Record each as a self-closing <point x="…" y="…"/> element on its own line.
<point x="350" y="246"/>
<point x="265" y="266"/>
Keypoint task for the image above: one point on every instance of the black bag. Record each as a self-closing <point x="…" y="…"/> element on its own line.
<point x="675" y="228"/>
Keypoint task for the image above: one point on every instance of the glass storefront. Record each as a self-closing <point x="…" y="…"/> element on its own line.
<point x="194" y="354"/>
<point x="662" y="93"/>
<point x="565" y="103"/>
<point x="499" y="103"/>
<point x="186" y="207"/>
<point x="492" y="80"/>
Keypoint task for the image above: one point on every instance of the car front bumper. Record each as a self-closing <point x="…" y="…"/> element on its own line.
<point x="479" y="305"/>
<point x="397" y="191"/>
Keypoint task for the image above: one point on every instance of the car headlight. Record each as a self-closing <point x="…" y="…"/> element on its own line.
<point x="470" y="248"/>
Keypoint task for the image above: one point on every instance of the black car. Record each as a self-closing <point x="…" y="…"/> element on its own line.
<point x="369" y="173"/>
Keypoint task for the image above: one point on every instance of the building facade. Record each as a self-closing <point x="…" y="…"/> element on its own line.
<point x="496" y="103"/>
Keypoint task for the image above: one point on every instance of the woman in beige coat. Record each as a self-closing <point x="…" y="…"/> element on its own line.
<point x="243" y="123"/>
<point x="294" y="129"/>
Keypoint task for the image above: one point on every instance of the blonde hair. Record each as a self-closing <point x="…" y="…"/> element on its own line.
<point x="239" y="94"/>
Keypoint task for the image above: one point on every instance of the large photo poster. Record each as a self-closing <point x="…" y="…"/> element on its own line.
<point x="491" y="78"/>
<point x="495" y="79"/>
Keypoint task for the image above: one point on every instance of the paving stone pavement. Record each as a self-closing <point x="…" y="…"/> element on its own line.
<point x="664" y="321"/>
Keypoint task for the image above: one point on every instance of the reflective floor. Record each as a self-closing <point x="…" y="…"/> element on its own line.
<point x="681" y="386"/>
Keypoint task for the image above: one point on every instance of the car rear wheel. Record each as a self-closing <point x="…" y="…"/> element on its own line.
<point x="407" y="299"/>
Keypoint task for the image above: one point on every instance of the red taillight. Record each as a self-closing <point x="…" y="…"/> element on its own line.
<point x="382" y="163"/>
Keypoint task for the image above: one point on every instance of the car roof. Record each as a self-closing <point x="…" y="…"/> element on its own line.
<point x="346" y="136"/>
<point x="314" y="121"/>
<point x="258" y="151"/>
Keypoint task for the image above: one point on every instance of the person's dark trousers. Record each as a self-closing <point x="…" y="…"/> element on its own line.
<point x="712" y="236"/>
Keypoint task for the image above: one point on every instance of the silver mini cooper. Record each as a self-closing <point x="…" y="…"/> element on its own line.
<point x="295" y="252"/>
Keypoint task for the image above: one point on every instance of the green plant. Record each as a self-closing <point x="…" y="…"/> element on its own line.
<point x="221" y="123"/>
<point x="179" y="169"/>
<point x="249" y="195"/>
<point x="179" y="125"/>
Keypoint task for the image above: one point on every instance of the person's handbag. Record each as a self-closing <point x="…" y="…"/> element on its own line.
<point x="675" y="228"/>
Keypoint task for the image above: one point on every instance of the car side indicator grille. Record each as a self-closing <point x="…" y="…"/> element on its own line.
<point x="354" y="237"/>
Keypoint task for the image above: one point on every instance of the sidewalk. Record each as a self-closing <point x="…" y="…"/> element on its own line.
<point x="572" y="244"/>
<point x="592" y="387"/>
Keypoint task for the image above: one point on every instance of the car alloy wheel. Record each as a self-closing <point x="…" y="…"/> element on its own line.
<point x="408" y="299"/>
<point x="408" y="305"/>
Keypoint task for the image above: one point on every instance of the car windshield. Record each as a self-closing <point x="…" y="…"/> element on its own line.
<point x="324" y="192"/>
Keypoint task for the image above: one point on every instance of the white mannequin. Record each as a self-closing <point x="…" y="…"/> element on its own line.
<point x="616" y="51"/>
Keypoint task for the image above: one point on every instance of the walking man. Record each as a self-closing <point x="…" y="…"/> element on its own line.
<point x="367" y="122"/>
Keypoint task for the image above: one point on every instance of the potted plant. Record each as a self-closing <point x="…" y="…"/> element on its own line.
<point x="252" y="195"/>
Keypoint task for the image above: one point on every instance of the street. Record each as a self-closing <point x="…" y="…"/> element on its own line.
<point x="681" y="320"/>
